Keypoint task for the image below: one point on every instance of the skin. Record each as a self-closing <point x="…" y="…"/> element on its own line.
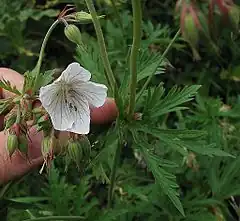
<point x="17" y="166"/>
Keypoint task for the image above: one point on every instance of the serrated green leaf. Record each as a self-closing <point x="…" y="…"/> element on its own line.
<point x="157" y="105"/>
<point x="166" y="180"/>
<point x="155" y="67"/>
<point x="181" y="134"/>
<point x="209" y="150"/>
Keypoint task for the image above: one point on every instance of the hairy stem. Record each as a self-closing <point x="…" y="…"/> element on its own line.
<point x="56" y="218"/>
<point x="160" y="61"/>
<point x="114" y="168"/>
<point x="45" y="40"/>
<point x="103" y="51"/>
<point x="137" y="21"/>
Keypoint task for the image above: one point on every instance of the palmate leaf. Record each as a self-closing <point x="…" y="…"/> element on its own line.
<point x="6" y="85"/>
<point x="182" y="140"/>
<point x="165" y="179"/>
<point x="157" y="104"/>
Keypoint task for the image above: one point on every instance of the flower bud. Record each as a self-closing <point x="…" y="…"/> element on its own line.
<point x="190" y="30"/>
<point x="75" y="152"/>
<point x="23" y="143"/>
<point x="84" y="17"/>
<point x="12" y="143"/>
<point x="234" y="16"/>
<point x="45" y="147"/>
<point x="73" y="34"/>
<point x="191" y="34"/>
<point x="85" y="146"/>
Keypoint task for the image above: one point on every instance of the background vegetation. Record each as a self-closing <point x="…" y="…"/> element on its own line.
<point x="209" y="183"/>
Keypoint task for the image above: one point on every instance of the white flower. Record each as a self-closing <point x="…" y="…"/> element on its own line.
<point x="67" y="99"/>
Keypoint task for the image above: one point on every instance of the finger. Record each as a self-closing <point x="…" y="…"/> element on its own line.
<point x="106" y="113"/>
<point x="18" y="165"/>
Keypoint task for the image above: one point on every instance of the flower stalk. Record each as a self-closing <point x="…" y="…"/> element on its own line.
<point x="114" y="173"/>
<point x="115" y="164"/>
<point x="103" y="51"/>
<point x="45" y="40"/>
<point x="137" y="21"/>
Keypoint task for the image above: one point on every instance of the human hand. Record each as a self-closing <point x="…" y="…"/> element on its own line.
<point x="17" y="165"/>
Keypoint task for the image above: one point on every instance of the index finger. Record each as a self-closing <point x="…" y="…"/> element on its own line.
<point x="13" y="77"/>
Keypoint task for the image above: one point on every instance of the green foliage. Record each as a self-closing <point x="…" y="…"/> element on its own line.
<point x="178" y="159"/>
<point x="15" y="32"/>
<point x="156" y="105"/>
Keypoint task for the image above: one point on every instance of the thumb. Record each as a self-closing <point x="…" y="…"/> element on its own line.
<point x="104" y="114"/>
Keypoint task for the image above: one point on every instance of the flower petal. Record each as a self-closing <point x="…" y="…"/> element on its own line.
<point x="94" y="93"/>
<point x="75" y="73"/>
<point x="81" y="114"/>
<point x="53" y="100"/>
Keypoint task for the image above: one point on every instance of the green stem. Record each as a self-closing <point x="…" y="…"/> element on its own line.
<point x="114" y="173"/>
<point x="45" y="40"/>
<point x="160" y="61"/>
<point x="19" y="113"/>
<point x="137" y="20"/>
<point x="4" y="189"/>
<point x="103" y="51"/>
<point x="115" y="164"/>
<point x="56" y="218"/>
